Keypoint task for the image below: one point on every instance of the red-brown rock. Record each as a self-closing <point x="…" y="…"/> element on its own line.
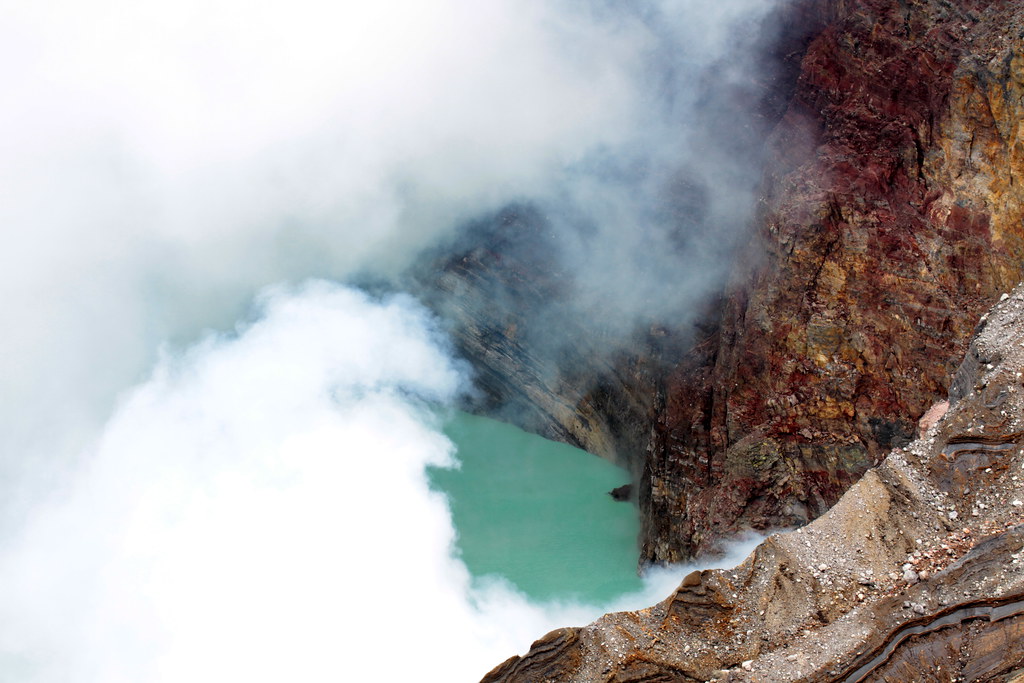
<point x="890" y="220"/>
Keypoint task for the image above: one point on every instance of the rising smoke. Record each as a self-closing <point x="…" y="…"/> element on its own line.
<point x="163" y="162"/>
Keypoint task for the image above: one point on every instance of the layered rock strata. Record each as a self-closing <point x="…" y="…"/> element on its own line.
<point x="916" y="574"/>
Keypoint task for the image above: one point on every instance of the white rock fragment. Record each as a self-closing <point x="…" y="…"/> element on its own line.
<point x="747" y="665"/>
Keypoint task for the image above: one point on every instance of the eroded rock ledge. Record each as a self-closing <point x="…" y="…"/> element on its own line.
<point x="916" y="574"/>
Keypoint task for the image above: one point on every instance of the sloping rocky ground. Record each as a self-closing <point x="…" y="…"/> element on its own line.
<point x="916" y="574"/>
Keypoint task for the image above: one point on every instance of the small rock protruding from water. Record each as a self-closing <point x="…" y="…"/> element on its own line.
<point x="622" y="493"/>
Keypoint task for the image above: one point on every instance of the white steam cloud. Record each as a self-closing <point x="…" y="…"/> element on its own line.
<point x="162" y="161"/>
<point x="258" y="510"/>
<point x="160" y="164"/>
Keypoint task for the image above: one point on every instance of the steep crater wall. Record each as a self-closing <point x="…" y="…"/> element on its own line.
<point x="889" y="217"/>
<point x="890" y="221"/>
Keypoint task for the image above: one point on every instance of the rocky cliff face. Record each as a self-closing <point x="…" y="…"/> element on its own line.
<point x="501" y="294"/>
<point x="891" y="218"/>
<point x="891" y="215"/>
<point x="509" y="290"/>
<point x="917" y="574"/>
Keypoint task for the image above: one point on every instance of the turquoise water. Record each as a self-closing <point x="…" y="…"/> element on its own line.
<point x="538" y="513"/>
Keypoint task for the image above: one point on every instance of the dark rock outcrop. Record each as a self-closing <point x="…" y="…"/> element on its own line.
<point x="621" y="493"/>
<point x="916" y="574"/>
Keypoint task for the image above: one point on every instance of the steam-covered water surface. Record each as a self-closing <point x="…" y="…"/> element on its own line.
<point x="213" y="452"/>
<point x="258" y="509"/>
<point x="537" y="513"/>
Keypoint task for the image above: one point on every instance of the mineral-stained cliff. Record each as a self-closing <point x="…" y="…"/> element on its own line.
<point x="891" y="218"/>
<point x="917" y="574"/>
<point x="891" y="214"/>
